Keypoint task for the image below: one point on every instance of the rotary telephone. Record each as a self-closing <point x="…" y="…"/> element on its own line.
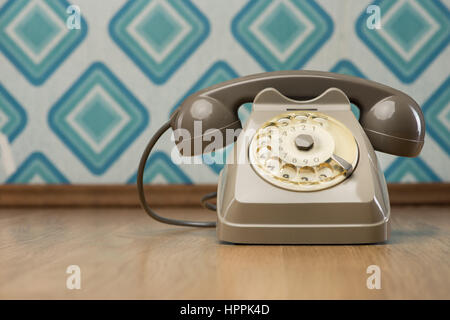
<point x="303" y="169"/>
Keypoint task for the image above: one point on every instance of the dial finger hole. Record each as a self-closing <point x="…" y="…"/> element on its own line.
<point x="264" y="141"/>
<point x="301" y="118"/>
<point x="288" y="172"/>
<point x="321" y="121"/>
<point x="264" y="152"/>
<point x="269" y="129"/>
<point x="283" y="122"/>
<point x="273" y="165"/>
<point x="325" y="171"/>
<point x="307" y="174"/>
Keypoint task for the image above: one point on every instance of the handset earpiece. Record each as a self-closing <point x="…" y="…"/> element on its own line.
<point x="395" y="125"/>
<point x="199" y="120"/>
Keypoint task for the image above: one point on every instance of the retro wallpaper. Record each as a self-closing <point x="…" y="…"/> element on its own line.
<point x="79" y="105"/>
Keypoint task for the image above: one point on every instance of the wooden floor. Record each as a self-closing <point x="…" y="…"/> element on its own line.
<point x="124" y="254"/>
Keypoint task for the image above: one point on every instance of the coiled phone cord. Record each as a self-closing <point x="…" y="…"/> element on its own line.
<point x="140" y="186"/>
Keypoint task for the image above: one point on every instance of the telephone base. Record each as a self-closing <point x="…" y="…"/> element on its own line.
<point x="272" y="234"/>
<point x="341" y="217"/>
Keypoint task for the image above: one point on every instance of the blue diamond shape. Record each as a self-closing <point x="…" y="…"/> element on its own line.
<point x="407" y="26"/>
<point x="37" y="71"/>
<point x="36" y="30"/>
<point x="405" y="29"/>
<point x="159" y="68"/>
<point x="410" y="170"/>
<point x="159" y="28"/>
<point x="282" y="27"/>
<point x="348" y="68"/>
<point x="97" y="159"/>
<point x="14" y="114"/>
<point x="432" y="109"/>
<point x="282" y="32"/>
<point x="37" y="166"/>
<point x="160" y="164"/>
<point x="98" y="118"/>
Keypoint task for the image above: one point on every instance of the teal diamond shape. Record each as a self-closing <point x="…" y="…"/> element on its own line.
<point x="36" y="30"/>
<point x="164" y="39"/>
<point x="410" y="170"/>
<point x="37" y="169"/>
<point x="12" y="115"/>
<point x="76" y="128"/>
<point x="281" y="26"/>
<point x="348" y="68"/>
<point x="159" y="28"/>
<point x="98" y="118"/>
<point x="160" y="165"/>
<point x="407" y="25"/>
<point x="437" y="115"/>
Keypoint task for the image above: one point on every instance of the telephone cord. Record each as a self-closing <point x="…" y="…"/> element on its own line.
<point x="140" y="187"/>
<point x="209" y="205"/>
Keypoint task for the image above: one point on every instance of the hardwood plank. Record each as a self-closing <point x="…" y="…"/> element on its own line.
<point x="173" y="195"/>
<point x="419" y="193"/>
<point x="100" y="195"/>
<point x="124" y="254"/>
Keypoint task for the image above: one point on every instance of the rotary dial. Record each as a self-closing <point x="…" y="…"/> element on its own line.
<point x="303" y="151"/>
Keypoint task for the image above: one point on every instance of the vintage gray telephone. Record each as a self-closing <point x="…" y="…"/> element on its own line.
<point x="310" y="173"/>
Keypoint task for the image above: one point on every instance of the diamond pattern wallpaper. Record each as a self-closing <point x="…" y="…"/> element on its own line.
<point x="78" y="105"/>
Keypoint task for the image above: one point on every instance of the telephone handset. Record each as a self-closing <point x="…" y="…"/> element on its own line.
<point x="310" y="173"/>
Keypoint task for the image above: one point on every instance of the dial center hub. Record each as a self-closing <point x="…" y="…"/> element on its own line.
<point x="304" y="142"/>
